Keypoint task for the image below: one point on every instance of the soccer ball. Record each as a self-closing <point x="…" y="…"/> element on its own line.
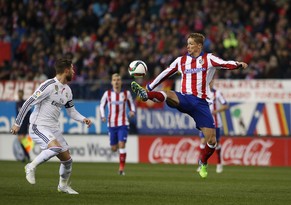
<point x="137" y="69"/>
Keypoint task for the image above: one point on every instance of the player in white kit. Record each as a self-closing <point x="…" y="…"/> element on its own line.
<point x="48" y="100"/>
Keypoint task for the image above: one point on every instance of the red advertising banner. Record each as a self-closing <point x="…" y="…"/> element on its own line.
<point x="9" y="89"/>
<point x="235" y="151"/>
<point x="5" y="52"/>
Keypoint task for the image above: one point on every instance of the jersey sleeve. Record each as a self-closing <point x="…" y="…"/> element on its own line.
<point x="167" y="73"/>
<point x="73" y="113"/>
<point x="38" y="96"/>
<point x="222" y="64"/>
<point x="103" y="103"/>
<point x="71" y="110"/>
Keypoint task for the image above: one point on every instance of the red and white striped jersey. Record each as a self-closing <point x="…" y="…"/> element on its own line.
<point x="116" y="104"/>
<point x="196" y="73"/>
<point x="217" y="100"/>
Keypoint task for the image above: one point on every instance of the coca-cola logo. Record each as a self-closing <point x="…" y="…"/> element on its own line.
<point x="185" y="151"/>
<point x="255" y="152"/>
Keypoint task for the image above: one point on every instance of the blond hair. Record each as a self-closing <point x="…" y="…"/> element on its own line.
<point x="115" y="75"/>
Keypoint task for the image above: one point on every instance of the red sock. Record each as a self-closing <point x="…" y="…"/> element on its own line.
<point x="208" y="151"/>
<point x="156" y="96"/>
<point x="122" y="158"/>
<point x="218" y="152"/>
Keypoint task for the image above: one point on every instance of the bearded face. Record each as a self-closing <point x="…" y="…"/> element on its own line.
<point x="70" y="74"/>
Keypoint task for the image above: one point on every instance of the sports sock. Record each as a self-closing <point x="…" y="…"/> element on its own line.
<point x="157" y="96"/>
<point x="122" y="158"/>
<point x="65" y="172"/>
<point x="208" y="151"/>
<point x="218" y="152"/>
<point x="44" y="156"/>
<point x="201" y="150"/>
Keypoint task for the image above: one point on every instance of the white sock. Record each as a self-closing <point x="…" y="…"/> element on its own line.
<point x="211" y="146"/>
<point x="202" y="146"/>
<point x="122" y="150"/>
<point x="65" y="172"/>
<point x="44" y="156"/>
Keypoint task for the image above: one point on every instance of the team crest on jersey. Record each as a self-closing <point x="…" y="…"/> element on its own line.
<point x="201" y="61"/>
<point x="56" y="89"/>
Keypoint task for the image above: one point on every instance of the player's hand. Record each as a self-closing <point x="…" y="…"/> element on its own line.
<point x="103" y="119"/>
<point x="87" y="122"/>
<point x="14" y="129"/>
<point x="131" y="114"/>
<point x="242" y="65"/>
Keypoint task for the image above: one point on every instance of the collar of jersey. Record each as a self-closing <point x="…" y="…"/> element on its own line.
<point x="201" y="54"/>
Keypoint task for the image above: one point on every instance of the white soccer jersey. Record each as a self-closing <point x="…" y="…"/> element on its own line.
<point x="196" y="73"/>
<point x="217" y="100"/>
<point x="116" y="104"/>
<point x="49" y="98"/>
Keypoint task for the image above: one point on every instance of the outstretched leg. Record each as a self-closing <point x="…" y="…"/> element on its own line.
<point x="44" y="156"/>
<point x="157" y="96"/>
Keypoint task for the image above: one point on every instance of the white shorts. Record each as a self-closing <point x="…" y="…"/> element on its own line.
<point x="43" y="135"/>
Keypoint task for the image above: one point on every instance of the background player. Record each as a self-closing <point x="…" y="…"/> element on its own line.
<point x="44" y="129"/>
<point x="23" y="130"/>
<point x="118" y="124"/>
<point x="197" y="69"/>
<point x="218" y="105"/>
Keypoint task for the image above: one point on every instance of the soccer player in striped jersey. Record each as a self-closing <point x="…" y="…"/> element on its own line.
<point x="116" y="100"/>
<point x="196" y="69"/>
<point x="218" y="105"/>
<point x="48" y="100"/>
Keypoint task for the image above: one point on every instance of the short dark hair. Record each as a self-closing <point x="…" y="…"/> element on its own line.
<point x="61" y="64"/>
<point x="198" y="38"/>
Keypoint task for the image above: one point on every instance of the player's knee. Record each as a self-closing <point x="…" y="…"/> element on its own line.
<point x="57" y="149"/>
<point x="113" y="148"/>
<point x="212" y="141"/>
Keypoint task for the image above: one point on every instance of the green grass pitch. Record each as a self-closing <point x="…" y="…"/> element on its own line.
<point x="149" y="184"/>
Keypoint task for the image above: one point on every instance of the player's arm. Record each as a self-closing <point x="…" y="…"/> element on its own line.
<point x="228" y="65"/>
<point x="223" y="103"/>
<point x="167" y="73"/>
<point x="74" y="114"/>
<point x="130" y="104"/>
<point x="222" y="108"/>
<point x="39" y="95"/>
<point x="103" y="103"/>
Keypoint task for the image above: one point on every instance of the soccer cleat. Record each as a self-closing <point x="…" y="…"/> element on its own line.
<point x="203" y="169"/>
<point x="219" y="168"/>
<point x="198" y="169"/>
<point x="121" y="173"/>
<point x="30" y="174"/>
<point x="66" y="189"/>
<point x="140" y="91"/>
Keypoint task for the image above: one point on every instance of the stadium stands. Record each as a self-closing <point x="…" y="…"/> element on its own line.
<point x="103" y="36"/>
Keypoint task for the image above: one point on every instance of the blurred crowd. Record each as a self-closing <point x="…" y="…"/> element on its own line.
<point x="103" y="36"/>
